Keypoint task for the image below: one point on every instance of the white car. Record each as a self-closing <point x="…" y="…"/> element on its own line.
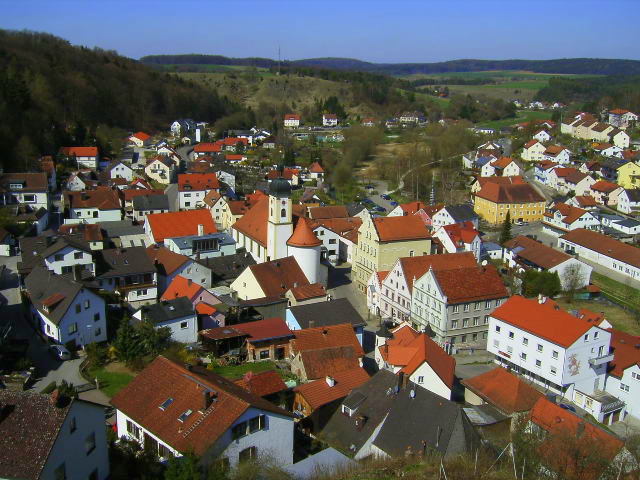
<point x="59" y="352"/>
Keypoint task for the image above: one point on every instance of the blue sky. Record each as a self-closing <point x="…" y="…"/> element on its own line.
<point x="374" y="30"/>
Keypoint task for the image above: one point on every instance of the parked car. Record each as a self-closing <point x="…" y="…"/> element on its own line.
<point x="59" y="352"/>
<point x="380" y="209"/>
<point x="369" y="187"/>
<point x="571" y="408"/>
<point x="394" y="203"/>
<point x="385" y="196"/>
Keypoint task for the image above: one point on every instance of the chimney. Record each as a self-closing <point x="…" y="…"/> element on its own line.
<point x="330" y="381"/>
<point x="200" y="230"/>
<point x="207" y="399"/>
<point x="312" y="323"/>
<point x="541" y="298"/>
<point x="189" y="281"/>
<point x="325" y="332"/>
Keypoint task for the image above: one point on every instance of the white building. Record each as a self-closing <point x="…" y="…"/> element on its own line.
<point x="561" y="218"/>
<point x="66" y="253"/>
<point x="202" y="245"/>
<point x="92" y="206"/>
<point x="160" y="169"/>
<point x="459" y="238"/>
<point x="30" y="189"/>
<point x="329" y="120"/>
<point x="291" y="120"/>
<point x="64" y="310"/>
<point x="557" y="154"/>
<point x="193" y="187"/>
<point x="226" y="425"/>
<point x="542" y="136"/>
<point x="623" y="380"/>
<point x="533" y="151"/>
<point x="176" y="314"/>
<point x="629" y="201"/>
<point x="130" y="273"/>
<point x="117" y="169"/>
<point x="85" y="157"/>
<point x="452" y="214"/>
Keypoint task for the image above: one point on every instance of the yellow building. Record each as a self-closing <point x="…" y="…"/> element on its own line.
<point x="629" y="175"/>
<point x="493" y="201"/>
<point x="382" y="240"/>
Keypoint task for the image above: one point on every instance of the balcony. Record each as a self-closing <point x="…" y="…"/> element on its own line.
<point x="601" y="359"/>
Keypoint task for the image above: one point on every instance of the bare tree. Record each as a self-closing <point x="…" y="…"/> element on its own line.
<point x="572" y="280"/>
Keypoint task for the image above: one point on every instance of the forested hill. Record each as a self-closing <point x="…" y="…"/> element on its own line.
<point x="593" y="66"/>
<point x="53" y="93"/>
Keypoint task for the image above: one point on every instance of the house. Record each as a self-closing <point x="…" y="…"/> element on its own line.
<point x="541" y="136"/>
<point x="624" y="373"/>
<point x="558" y="154"/>
<point x="397" y="285"/>
<point x="382" y="240"/>
<point x="374" y="291"/>
<point x="176" y="314"/>
<point x="602" y="250"/>
<point x="586" y="202"/>
<point x="321" y="351"/>
<point x="225" y="423"/>
<point x="459" y="238"/>
<point x="269" y="279"/>
<point x="64" y="309"/>
<point x="65" y="254"/>
<point x="124" y="234"/>
<point x="338" y="236"/>
<point x="523" y="253"/>
<point x="572" y="447"/>
<point x="92" y="206"/>
<point x="569" y="179"/>
<point x="421" y="209"/>
<point x="329" y="120"/>
<point x="629" y="175"/>
<point x="169" y="265"/>
<point x="182" y="127"/>
<point x="369" y="122"/>
<point x="550" y="347"/>
<point x="291" y="175"/>
<point x="621" y="118"/>
<point x="561" y="218"/>
<point x="201" y="245"/>
<point x="542" y="170"/>
<point x="159" y="226"/>
<point x="266" y="339"/>
<point x="607" y="150"/>
<point x="503" y="167"/>
<point x="185" y="287"/>
<point x="224" y="270"/>
<point x="480" y="182"/>
<point x="83" y="157"/>
<point x="411" y="117"/>
<point x="206" y="149"/>
<point x="307" y="294"/>
<point x="267" y="384"/>
<point x="417" y="357"/>
<point x="388" y="418"/>
<point x="533" y="151"/>
<point x="606" y="193"/>
<point x="129" y="273"/>
<point x="316" y="171"/>
<point x="29" y="189"/>
<point x="291" y="120"/>
<point x="521" y="201"/>
<point x="629" y="201"/>
<point x="501" y="389"/>
<point x="325" y="313"/>
<point x="143" y="205"/>
<point x="117" y="169"/>
<point x="127" y="195"/>
<point x="140" y="139"/>
<point x="160" y="169"/>
<point x="609" y="168"/>
<point x="320" y="398"/>
<point x="193" y="187"/>
<point x="81" y="180"/>
<point x="51" y="436"/>
<point x="454" y="214"/>
<point x="465" y="298"/>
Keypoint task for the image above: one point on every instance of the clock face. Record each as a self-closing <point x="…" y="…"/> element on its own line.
<point x="284" y="202"/>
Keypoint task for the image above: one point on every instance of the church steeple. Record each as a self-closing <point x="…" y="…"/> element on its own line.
<point x="279" y="226"/>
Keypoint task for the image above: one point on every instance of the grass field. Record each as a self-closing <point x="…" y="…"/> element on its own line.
<point x="618" y="292"/>
<point x="522" y="116"/>
<point x="620" y="318"/>
<point x="234" y="372"/>
<point x="497" y="74"/>
<point x="110" y="382"/>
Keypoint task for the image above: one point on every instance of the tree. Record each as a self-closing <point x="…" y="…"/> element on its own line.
<point x="572" y="280"/>
<point x="505" y="234"/>
<point x="127" y="343"/>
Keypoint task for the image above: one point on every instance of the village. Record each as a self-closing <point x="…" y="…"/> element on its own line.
<point x="207" y="301"/>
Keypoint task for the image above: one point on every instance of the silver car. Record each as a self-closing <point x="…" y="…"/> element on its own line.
<point x="59" y="352"/>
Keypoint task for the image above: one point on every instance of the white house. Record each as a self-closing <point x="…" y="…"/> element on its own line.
<point x="549" y="346"/>
<point x="92" y="206"/>
<point x="542" y="136"/>
<point x="226" y="424"/>
<point x="193" y="187"/>
<point x="452" y="214"/>
<point x="329" y="120"/>
<point x="65" y="310"/>
<point x="85" y="157"/>
<point x="623" y="379"/>
<point x="608" y="150"/>
<point x="177" y="314"/>
<point x="374" y="287"/>
<point x="130" y="273"/>
<point x="30" y="189"/>
<point x="622" y="118"/>
<point x="561" y="218"/>
<point x="291" y="120"/>
<point x="533" y="151"/>
<point x="65" y="253"/>
<point x="52" y="437"/>
<point x="140" y="139"/>
<point x="629" y="201"/>
<point x="603" y="250"/>
<point x="459" y="238"/>
<point x="202" y="246"/>
<point x="160" y="169"/>
<point x="117" y="169"/>
<point x="558" y="154"/>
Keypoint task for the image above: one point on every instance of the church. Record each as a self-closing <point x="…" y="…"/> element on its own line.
<point x="273" y="229"/>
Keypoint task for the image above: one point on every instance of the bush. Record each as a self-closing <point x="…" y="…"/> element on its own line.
<point x="49" y="388"/>
<point x="97" y="355"/>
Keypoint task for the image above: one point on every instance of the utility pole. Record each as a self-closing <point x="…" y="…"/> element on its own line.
<point x="278" y="60"/>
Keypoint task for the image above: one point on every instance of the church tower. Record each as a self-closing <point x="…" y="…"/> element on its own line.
<point x="280" y="225"/>
<point x="305" y="247"/>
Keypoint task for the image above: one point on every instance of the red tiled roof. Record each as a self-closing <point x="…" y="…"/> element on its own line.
<point x="536" y="252"/>
<point x="509" y="193"/>
<point x="267" y="329"/>
<point x="207" y="147"/>
<point x="204" y="308"/>
<point x="412" y="207"/>
<point x="180" y="224"/>
<point x="168" y="260"/>
<point x="463" y="233"/>
<point x="321" y="362"/>
<point x="341" y="335"/>
<point x="163" y="379"/>
<point x="554" y="325"/>
<point x="473" y="284"/>
<point x="292" y="116"/>
<point x="316" y="168"/>
<point x="506" y="391"/>
<point x="181" y="287"/>
<point x="515" y="180"/>
<point x="604" y="186"/>
<point x="569" y="213"/>
<point x="129" y="193"/>
<point x="618" y="111"/>
<point x="531" y="143"/>
<point x="79" y="151"/>
<point x="253" y="223"/>
<point x="305" y="292"/>
<point x="605" y="245"/>
<point x="415" y="267"/>
<point x="102" y="198"/>
<point x="585" y="200"/>
<point x="234" y="156"/>
<point x="319" y="393"/>
<point x="278" y="276"/>
<point x="546" y="164"/>
<point x="233" y="141"/>
<point x="329" y="115"/>
<point x="141" y="136"/>
<point x="601" y="146"/>
<point x="263" y="383"/>
<point x="502" y="162"/>
<point x="287" y="173"/>
<point x="333" y="211"/>
<point x="396" y="229"/>
<point x="197" y="181"/>
<point x="554" y="150"/>
<point x="626" y="352"/>
<point x="303" y="236"/>
<point x="31" y="182"/>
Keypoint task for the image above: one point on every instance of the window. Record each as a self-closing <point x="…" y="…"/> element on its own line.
<point x="525" y="341"/>
<point x="73" y="328"/>
<point x="497" y="329"/>
<point x="466" y="307"/>
<point x="523" y="356"/>
<point x="477" y="306"/>
<point x="60" y="473"/>
<point x="142" y="292"/>
<point x="420" y="379"/>
<point x="87" y="304"/>
<point x="509" y="349"/>
<point x="475" y="337"/>
<point x="586" y="337"/>
<point x="553" y="370"/>
<point x="239" y="430"/>
<point x="72" y="425"/>
<point x="78" y="308"/>
<point x="332" y="241"/>
<point x="538" y="363"/>
<point x="476" y="321"/>
<point x="624" y="388"/>
<point x="497" y="303"/>
<point x="596" y="335"/>
<point x="97" y="332"/>
<point x="247" y="454"/>
<point x="184" y="325"/>
<point x="264" y="354"/>
<point x="185" y="415"/>
<point x="96" y="317"/>
<point x="454" y="323"/>
<point x="554" y="354"/>
<point x="486" y="319"/>
<point x="511" y="335"/>
<point x="257" y="423"/>
<point x="78" y="255"/>
<point x="487" y="304"/>
<point x="539" y="347"/>
<point x="90" y="443"/>
<point x="456" y="308"/>
<point x="58" y="257"/>
<point x="465" y="322"/>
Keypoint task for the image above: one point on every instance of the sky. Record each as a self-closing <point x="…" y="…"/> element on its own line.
<point x="389" y="31"/>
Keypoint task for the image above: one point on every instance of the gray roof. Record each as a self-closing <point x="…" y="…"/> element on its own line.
<point x="461" y="213"/>
<point x="63" y="242"/>
<point x="228" y="267"/>
<point x="628" y="222"/>
<point x="116" y="262"/>
<point x="43" y="284"/>
<point x="633" y="194"/>
<point x="168" y="310"/>
<point x="326" y="461"/>
<point x="121" y="227"/>
<point x="425" y="418"/>
<point x="378" y="392"/>
<point x="354" y="208"/>
<point x="151" y="202"/>
<point x="31" y="249"/>
<point x="187" y="242"/>
<point x="323" y="314"/>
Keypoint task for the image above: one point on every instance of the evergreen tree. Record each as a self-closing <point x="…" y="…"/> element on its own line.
<point x="505" y="234"/>
<point x="127" y="343"/>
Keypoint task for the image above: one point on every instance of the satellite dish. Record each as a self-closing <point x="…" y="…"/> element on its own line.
<point x="484" y="263"/>
<point x="412" y="393"/>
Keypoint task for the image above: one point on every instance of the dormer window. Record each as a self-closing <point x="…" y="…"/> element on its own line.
<point x="16" y="186"/>
<point x="182" y="418"/>
<point x="348" y="411"/>
<point x="166" y="404"/>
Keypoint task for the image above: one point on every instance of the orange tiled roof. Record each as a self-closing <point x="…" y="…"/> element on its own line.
<point x="341" y="335"/>
<point x="102" y="198"/>
<point x="604" y="186"/>
<point x="263" y="383"/>
<point x="207" y="147"/>
<point x="396" y="229"/>
<point x="80" y="151"/>
<point x="168" y="260"/>
<point x="182" y="287"/>
<point x="253" y="223"/>
<point x="316" y="168"/>
<point x="569" y="213"/>
<point x="319" y="393"/>
<point x="197" y="181"/>
<point x="262" y="330"/>
<point x="415" y="267"/>
<point x="180" y="224"/>
<point x="502" y="162"/>
<point x="509" y="193"/>
<point x="505" y="390"/>
<point x="278" y="276"/>
<point x="332" y="211"/>
<point x="554" y="150"/>
<point x="141" y="136"/>
<point x="303" y="236"/>
<point x="464" y="233"/>
<point x="625" y="352"/>
<point x="585" y="200"/>
<point x="536" y="252"/>
<point x="473" y="284"/>
<point x="292" y="116"/>
<point x="306" y="292"/>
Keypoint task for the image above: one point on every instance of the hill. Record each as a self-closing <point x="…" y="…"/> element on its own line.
<point x="581" y="66"/>
<point x="52" y="93"/>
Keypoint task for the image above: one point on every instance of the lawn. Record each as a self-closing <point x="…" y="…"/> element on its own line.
<point x="110" y="382"/>
<point x="523" y="116"/>
<point x="620" y="318"/>
<point x="234" y="372"/>
<point x="619" y="292"/>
